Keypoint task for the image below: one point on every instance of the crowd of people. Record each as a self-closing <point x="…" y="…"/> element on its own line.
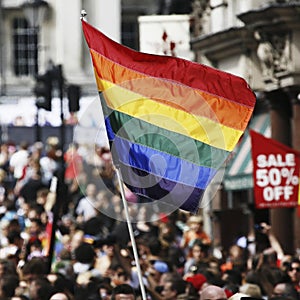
<point x="63" y="237"/>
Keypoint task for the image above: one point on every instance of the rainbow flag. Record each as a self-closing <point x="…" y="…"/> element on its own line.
<point x="171" y="122"/>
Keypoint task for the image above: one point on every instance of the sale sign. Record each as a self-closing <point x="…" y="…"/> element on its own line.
<point x="275" y="173"/>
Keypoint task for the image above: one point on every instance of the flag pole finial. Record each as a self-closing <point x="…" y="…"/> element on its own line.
<point x="83" y="15"/>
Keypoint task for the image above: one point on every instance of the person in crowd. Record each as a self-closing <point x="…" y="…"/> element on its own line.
<point x="18" y="161"/>
<point x="97" y="260"/>
<point x="286" y="290"/>
<point x="105" y="290"/>
<point x="59" y="296"/>
<point x="50" y="161"/>
<point x="85" y="258"/>
<point x="14" y="247"/>
<point x="123" y="292"/>
<point x="4" y="157"/>
<point x="197" y="281"/>
<point x="86" y="208"/>
<point x="33" y="269"/>
<point x="7" y="267"/>
<point x="106" y="170"/>
<point x="213" y="292"/>
<point x="8" y="285"/>
<point x="194" y="231"/>
<point x="235" y="259"/>
<point x="20" y="297"/>
<point x="293" y="271"/>
<point x="105" y="210"/>
<point x="108" y="257"/>
<point x="197" y="257"/>
<point x="240" y="296"/>
<point x="154" y="273"/>
<point x="173" y="289"/>
<point x="73" y="162"/>
<point x="10" y="212"/>
<point x="40" y="289"/>
<point x="32" y="184"/>
<point x="167" y="234"/>
<point x="3" y="186"/>
<point x="61" y="284"/>
<point x="76" y="239"/>
<point x="250" y="289"/>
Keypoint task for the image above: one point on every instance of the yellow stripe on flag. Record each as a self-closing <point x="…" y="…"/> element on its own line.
<point x="167" y="117"/>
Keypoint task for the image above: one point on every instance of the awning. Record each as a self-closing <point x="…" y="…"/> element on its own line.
<point x="238" y="173"/>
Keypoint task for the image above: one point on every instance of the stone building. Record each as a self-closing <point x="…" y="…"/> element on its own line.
<point x="259" y="41"/>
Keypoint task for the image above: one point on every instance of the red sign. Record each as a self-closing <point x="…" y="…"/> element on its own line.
<point x="275" y="173"/>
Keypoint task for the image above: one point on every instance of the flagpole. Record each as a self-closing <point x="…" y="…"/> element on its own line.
<point x="134" y="247"/>
<point x="129" y="225"/>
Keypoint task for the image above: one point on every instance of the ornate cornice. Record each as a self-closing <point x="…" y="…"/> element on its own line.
<point x="273" y="17"/>
<point x="274" y="26"/>
<point x="225" y="43"/>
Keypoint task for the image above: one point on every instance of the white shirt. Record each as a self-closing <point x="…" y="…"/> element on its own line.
<point x="86" y="209"/>
<point x="18" y="161"/>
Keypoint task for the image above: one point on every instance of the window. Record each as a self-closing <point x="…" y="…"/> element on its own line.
<point x="129" y="35"/>
<point x="25" y="48"/>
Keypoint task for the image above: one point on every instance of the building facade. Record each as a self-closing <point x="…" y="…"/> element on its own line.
<point x="259" y="41"/>
<point x="56" y="37"/>
<point x="43" y="38"/>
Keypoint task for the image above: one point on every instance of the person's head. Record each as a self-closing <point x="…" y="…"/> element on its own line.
<point x="34" y="268"/>
<point x="21" y="297"/>
<point x="77" y="239"/>
<point x="155" y="246"/>
<point x="109" y="249"/>
<point x="157" y="268"/>
<point x="234" y="277"/>
<point x="251" y="289"/>
<point x="168" y="276"/>
<point x="213" y="292"/>
<point x="285" y="290"/>
<point x="8" y="285"/>
<point x="91" y="190"/>
<point x="105" y="290"/>
<point x="270" y="257"/>
<point x="85" y="254"/>
<point x="195" y="223"/>
<point x="14" y="237"/>
<point x="7" y="267"/>
<point x="173" y="288"/>
<point x="123" y="292"/>
<point x="294" y="271"/>
<point x="35" y="226"/>
<point x="24" y="145"/>
<point x="42" y="196"/>
<point x="198" y="250"/>
<point x="118" y="274"/>
<point x="40" y="288"/>
<point x="235" y="252"/>
<point x="59" y="296"/>
<point x="35" y="211"/>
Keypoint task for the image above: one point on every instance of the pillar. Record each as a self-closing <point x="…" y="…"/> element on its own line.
<point x="293" y="93"/>
<point x="68" y="36"/>
<point x="281" y="219"/>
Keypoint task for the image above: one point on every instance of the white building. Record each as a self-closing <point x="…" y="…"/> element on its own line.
<point x="56" y="38"/>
